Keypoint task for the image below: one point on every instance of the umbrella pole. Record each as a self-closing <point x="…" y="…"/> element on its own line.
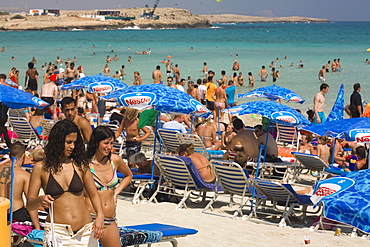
<point x="154" y="148"/>
<point x="267" y="139"/>
<point x="218" y="119"/>
<point x="333" y="152"/>
<point x="192" y="124"/>
<point x="11" y="191"/>
<point x="257" y="173"/>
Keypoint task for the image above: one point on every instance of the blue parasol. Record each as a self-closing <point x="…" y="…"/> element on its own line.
<point x="351" y="129"/>
<point x="16" y="99"/>
<point x="95" y="84"/>
<point x="163" y="98"/>
<point x="346" y="198"/>
<point x="273" y="93"/>
<point x="276" y="112"/>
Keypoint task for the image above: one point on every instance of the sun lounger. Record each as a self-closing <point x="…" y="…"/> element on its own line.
<point x="169" y="140"/>
<point x="278" y="194"/>
<point x="315" y="163"/>
<point x="135" y="235"/>
<point x="176" y="173"/>
<point x="141" y="182"/>
<point x="234" y="181"/>
<point x="25" y="132"/>
<point x="197" y="142"/>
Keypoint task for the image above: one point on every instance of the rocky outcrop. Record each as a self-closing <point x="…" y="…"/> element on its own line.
<point x="168" y="18"/>
<point x="230" y="18"/>
<point x="69" y="20"/>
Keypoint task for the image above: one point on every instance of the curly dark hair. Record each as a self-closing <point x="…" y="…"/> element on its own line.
<point x="55" y="147"/>
<point x="99" y="134"/>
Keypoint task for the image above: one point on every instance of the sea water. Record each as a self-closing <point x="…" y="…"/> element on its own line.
<point x="253" y="45"/>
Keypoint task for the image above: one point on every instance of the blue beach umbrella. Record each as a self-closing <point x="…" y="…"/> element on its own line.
<point x="162" y="98"/>
<point x="346" y="198"/>
<point x="351" y="129"/>
<point x="273" y="93"/>
<point x="96" y="84"/>
<point x="16" y="99"/>
<point x="275" y="112"/>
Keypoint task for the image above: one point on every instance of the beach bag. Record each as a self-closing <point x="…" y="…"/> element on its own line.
<point x="52" y="239"/>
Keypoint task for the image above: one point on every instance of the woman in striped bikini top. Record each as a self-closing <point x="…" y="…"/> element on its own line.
<point x="104" y="166"/>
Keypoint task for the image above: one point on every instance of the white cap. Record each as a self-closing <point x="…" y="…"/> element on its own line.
<point x="61" y="70"/>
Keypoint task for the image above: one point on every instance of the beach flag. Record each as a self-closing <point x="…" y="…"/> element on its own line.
<point x="329" y="187"/>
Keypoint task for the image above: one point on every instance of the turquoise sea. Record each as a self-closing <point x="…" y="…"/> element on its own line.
<point x="255" y="44"/>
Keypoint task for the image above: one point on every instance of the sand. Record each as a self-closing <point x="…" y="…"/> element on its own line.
<point x="216" y="228"/>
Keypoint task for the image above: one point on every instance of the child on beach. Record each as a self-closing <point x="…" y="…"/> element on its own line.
<point x="323" y="151"/>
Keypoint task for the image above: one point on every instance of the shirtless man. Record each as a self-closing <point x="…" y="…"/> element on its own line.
<point x="71" y="73"/>
<point x="236" y="66"/>
<point x="106" y="70"/>
<point x="263" y="73"/>
<point x="327" y="67"/>
<point x="272" y="148"/>
<point x="157" y="75"/>
<point x="58" y="60"/>
<point x="207" y="133"/>
<point x="192" y="91"/>
<point x="176" y="69"/>
<point x="130" y="125"/>
<point x="334" y="65"/>
<point x="32" y="77"/>
<point x="205" y="69"/>
<point x="200" y="162"/>
<point x="122" y="72"/>
<point x="170" y="82"/>
<point x="318" y="104"/>
<point x="322" y="74"/>
<point x="49" y="93"/>
<point x="168" y="67"/>
<point x="108" y="59"/>
<point x="244" y="137"/>
<point x="70" y="112"/>
<point x="220" y="101"/>
<point x="21" y="182"/>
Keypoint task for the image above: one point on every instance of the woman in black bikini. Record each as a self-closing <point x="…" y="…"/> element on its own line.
<point x="103" y="166"/>
<point x="64" y="175"/>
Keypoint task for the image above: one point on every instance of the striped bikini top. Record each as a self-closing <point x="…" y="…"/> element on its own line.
<point x="98" y="183"/>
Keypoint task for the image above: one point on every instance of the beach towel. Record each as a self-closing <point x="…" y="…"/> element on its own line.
<point x="197" y="177"/>
<point x="147" y="118"/>
<point x="135" y="237"/>
<point x="36" y="235"/>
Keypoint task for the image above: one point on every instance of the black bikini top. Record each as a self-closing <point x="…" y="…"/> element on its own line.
<point x="54" y="189"/>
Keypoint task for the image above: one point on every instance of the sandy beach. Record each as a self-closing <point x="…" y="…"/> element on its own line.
<point x="216" y="228"/>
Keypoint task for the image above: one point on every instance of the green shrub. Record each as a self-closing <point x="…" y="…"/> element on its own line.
<point x="4" y="13"/>
<point x="17" y="17"/>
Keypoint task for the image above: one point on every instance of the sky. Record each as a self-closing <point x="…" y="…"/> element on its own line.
<point x="337" y="10"/>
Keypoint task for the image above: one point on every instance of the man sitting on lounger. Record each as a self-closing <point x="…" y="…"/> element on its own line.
<point x="145" y="165"/>
<point x="199" y="161"/>
<point x="245" y="139"/>
<point x="21" y="181"/>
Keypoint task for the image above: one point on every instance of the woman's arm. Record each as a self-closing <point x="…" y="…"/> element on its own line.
<point x="91" y="190"/>
<point x="125" y="170"/>
<point x="34" y="201"/>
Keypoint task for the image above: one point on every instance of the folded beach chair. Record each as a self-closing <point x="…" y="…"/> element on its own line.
<point x="287" y="136"/>
<point x="278" y="194"/>
<point x="315" y="163"/>
<point x="234" y="180"/>
<point x="169" y="140"/>
<point x="198" y="143"/>
<point x="46" y="125"/>
<point x="176" y="175"/>
<point x="25" y="132"/>
<point x="134" y="235"/>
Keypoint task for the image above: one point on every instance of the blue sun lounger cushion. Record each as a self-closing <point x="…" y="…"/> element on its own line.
<point x="167" y="230"/>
